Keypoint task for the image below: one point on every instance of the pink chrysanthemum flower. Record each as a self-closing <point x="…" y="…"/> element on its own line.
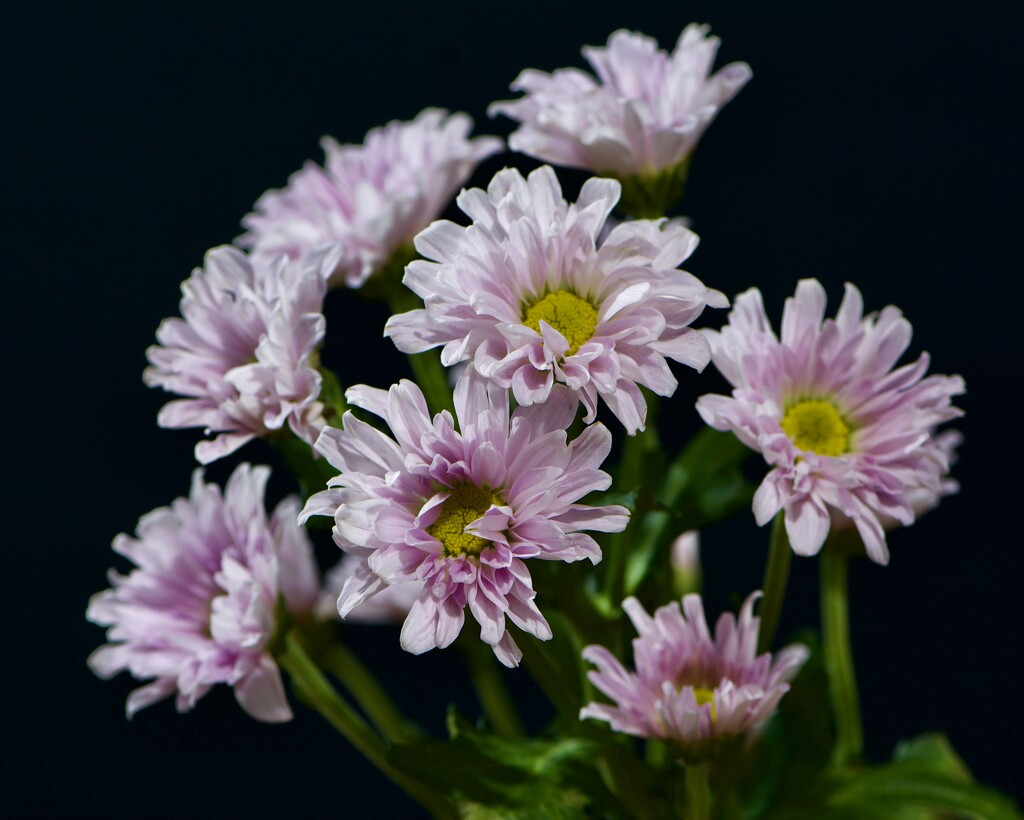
<point x="641" y="115"/>
<point x="243" y="352"/>
<point x="846" y="436"/>
<point x="368" y="200"/>
<point x="688" y="688"/>
<point x="200" y="607"/>
<point x="460" y="511"/>
<point x="530" y="296"/>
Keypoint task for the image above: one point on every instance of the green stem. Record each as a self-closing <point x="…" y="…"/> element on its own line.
<point x="491" y="690"/>
<point x="698" y="792"/>
<point x="316" y="691"/>
<point x="842" y="680"/>
<point x="427" y="369"/>
<point x="776" y="576"/>
<point x="632" y="475"/>
<point x="367" y="691"/>
<point x="312" y="472"/>
<point x="549" y="677"/>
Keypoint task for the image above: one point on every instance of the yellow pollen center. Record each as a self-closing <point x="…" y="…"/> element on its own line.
<point x="816" y="426"/>
<point x="464" y="506"/>
<point x="573" y="317"/>
<point x="706" y="696"/>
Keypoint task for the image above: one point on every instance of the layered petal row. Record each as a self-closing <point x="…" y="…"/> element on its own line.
<point x="533" y="297"/>
<point x="200" y="606"/>
<point x="243" y="352"/>
<point x="367" y="201"/>
<point x="691" y="688"/>
<point x="850" y="437"/>
<point x="642" y="114"/>
<point x="459" y="510"/>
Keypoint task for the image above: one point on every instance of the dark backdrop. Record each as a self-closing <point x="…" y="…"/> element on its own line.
<point x="877" y="143"/>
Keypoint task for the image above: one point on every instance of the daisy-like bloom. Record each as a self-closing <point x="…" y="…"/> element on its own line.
<point x="460" y="511"/>
<point x="530" y="296"/>
<point x="688" y="688"/>
<point x="369" y="200"/>
<point x="640" y="117"/>
<point x="846" y="435"/>
<point x="243" y="354"/>
<point x="200" y="607"/>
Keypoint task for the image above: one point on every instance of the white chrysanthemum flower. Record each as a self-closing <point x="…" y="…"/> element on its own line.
<point x="243" y="352"/>
<point x="457" y="513"/>
<point x="691" y="688"/>
<point x="529" y="295"/>
<point x="200" y="607"/>
<point x="641" y="117"/>
<point x="368" y="200"/>
<point x="847" y="436"/>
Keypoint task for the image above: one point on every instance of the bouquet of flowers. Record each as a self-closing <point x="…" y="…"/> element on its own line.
<point x="540" y="333"/>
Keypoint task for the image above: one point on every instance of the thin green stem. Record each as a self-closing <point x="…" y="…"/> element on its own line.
<point x="698" y="792"/>
<point x="842" y="679"/>
<point x="427" y="369"/>
<point x="312" y="472"/>
<point x="368" y="693"/>
<point x="491" y="690"/>
<point x="549" y="677"/>
<point x="632" y="475"/>
<point x="776" y="576"/>
<point x="316" y="691"/>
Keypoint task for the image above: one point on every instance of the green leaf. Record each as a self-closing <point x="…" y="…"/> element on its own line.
<point x="926" y="779"/>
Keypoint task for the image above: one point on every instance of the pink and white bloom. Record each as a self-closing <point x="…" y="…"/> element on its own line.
<point x="368" y="200"/>
<point x="533" y="299"/>
<point x="242" y="354"/>
<point x="690" y="688"/>
<point x="461" y="510"/>
<point x="846" y="435"/>
<point x="641" y="115"/>
<point x="199" y="608"/>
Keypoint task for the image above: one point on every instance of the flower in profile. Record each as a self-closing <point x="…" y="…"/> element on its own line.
<point x="461" y="510"/>
<point x="529" y="295"/>
<point x="243" y="352"/>
<point x="369" y="200"/>
<point x="640" y="118"/>
<point x="200" y="607"/>
<point x="688" y="688"/>
<point x="848" y="437"/>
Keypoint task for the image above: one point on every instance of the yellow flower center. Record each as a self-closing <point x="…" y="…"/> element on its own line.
<point x="815" y="425"/>
<point x="573" y="317"/>
<point x="464" y="506"/>
<point x="706" y="696"/>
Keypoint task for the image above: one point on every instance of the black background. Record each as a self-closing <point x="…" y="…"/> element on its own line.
<point x="877" y="143"/>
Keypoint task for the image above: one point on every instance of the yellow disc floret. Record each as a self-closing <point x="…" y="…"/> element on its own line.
<point x="816" y="426"/>
<point x="706" y="696"/>
<point x="573" y="317"/>
<point x="464" y="506"/>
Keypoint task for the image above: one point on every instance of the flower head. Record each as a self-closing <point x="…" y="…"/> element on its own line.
<point x="689" y="688"/>
<point x="200" y="606"/>
<point x="641" y="115"/>
<point x="243" y="352"/>
<point x="528" y="294"/>
<point x="846" y="435"/>
<point x="368" y="200"/>
<point x="461" y="510"/>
